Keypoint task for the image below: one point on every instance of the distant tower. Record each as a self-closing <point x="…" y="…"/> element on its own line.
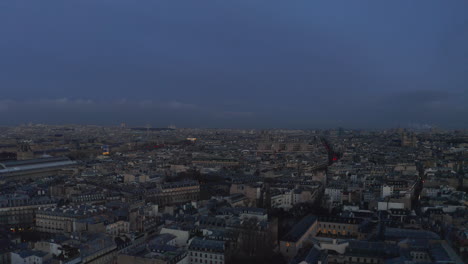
<point x="123" y="125"/>
<point x="148" y="126"/>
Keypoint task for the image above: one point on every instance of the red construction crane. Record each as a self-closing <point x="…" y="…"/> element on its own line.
<point x="332" y="155"/>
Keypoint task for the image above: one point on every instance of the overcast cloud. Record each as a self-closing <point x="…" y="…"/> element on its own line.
<point x="243" y="63"/>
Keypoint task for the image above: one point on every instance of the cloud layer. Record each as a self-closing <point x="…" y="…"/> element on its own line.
<point x="243" y="63"/>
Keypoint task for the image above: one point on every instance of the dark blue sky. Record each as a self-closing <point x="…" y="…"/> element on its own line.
<point x="248" y="64"/>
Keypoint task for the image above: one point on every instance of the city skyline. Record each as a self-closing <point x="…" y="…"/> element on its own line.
<point x="225" y="132"/>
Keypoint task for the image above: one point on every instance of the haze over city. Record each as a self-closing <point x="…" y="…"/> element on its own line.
<point x="236" y="64"/>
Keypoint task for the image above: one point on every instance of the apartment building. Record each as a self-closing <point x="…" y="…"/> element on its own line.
<point x="206" y="251"/>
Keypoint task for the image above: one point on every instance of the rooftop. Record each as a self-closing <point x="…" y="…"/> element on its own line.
<point x="199" y="244"/>
<point x="300" y="228"/>
<point x="400" y="233"/>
